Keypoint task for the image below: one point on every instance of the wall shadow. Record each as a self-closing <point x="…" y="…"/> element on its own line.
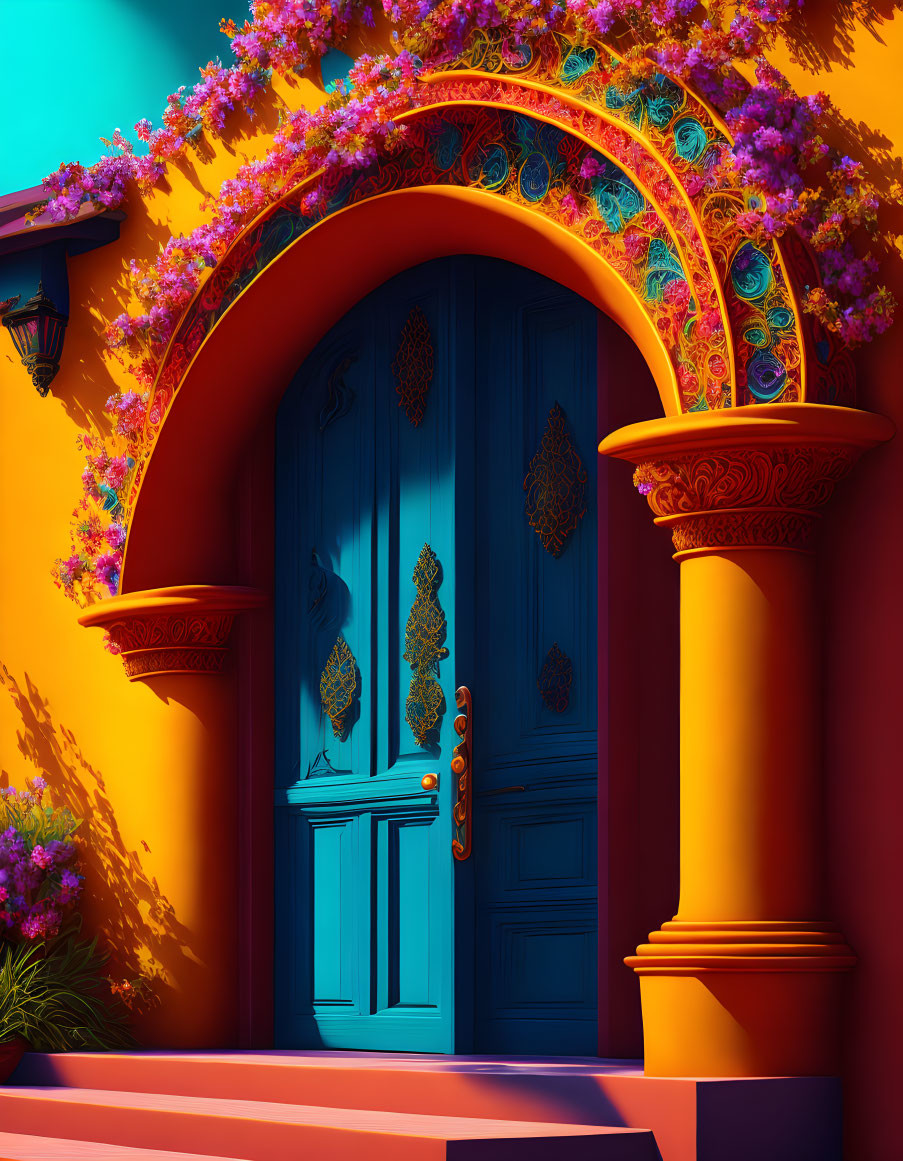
<point x="99" y="285"/>
<point x="821" y="34"/>
<point x="868" y="145"/>
<point x="123" y="903"/>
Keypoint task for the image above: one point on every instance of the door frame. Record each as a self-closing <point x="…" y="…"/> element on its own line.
<point x="637" y="844"/>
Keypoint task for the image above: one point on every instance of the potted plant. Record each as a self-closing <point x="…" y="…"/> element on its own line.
<point x="53" y="997"/>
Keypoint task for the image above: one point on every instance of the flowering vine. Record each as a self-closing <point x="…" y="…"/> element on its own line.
<point x="797" y="180"/>
<point x="39" y="870"/>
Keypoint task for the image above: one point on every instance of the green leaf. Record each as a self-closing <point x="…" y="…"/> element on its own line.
<point x="52" y="995"/>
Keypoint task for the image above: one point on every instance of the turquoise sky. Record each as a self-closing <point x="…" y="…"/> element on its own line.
<point x="75" y="70"/>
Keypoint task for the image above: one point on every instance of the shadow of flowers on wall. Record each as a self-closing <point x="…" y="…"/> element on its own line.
<point x="123" y="902"/>
<point x="823" y="36"/>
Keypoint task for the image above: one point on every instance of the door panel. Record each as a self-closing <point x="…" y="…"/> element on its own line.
<point x="408" y="928"/>
<point x="535" y="757"/>
<point x="384" y="941"/>
<point x="527" y="951"/>
<point x="331" y="868"/>
<point x="541" y="846"/>
<point x="361" y="493"/>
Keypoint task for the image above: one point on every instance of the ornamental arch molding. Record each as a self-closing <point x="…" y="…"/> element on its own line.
<point x="522" y="154"/>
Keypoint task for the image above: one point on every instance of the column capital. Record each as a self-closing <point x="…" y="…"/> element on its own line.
<point x="750" y="477"/>
<point x="184" y="629"/>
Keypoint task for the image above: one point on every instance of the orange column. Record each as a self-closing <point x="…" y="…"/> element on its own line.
<point x="744" y="980"/>
<point x="177" y="641"/>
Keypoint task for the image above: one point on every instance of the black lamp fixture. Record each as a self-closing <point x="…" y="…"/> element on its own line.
<point x="37" y="329"/>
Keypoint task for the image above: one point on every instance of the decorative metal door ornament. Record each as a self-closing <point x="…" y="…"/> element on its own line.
<point x="339" y="397"/>
<point x="423" y="637"/>
<point x="462" y="768"/>
<point x="555" y="485"/>
<point x="339" y="685"/>
<point x="413" y="366"/>
<point x="555" y="679"/>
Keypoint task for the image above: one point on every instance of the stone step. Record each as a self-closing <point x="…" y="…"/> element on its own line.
<point x="21" y="1147"/>
<point x="560" y="1090"/>
<point x="275" y="1131"/>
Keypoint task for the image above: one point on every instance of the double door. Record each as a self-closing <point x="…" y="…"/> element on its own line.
<point x="436" y="528"/>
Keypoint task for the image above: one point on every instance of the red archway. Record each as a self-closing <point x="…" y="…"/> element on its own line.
<point x="239" y="373"/>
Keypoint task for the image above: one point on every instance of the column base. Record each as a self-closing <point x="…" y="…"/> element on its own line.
<point x="741" y="999"/>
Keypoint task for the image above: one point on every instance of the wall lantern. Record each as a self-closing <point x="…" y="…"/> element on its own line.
<point x="37" y="329"/>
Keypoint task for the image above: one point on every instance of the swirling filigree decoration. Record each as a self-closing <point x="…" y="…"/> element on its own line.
<point x="175" y="643"/>
<point x="555" y="679"/>
<point x="413" y="366"/>
<point x="767" y="349"/>
<point x="800" y="477"/>
<point x="423" y="650"/>
<point x="339" y="685"/>
<point x="555" y="485"/>
<point x="743" y="497"/>
<point x="727" y="332"/>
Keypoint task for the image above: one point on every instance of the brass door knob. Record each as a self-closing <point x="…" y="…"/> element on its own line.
<point x="429" y="781"/>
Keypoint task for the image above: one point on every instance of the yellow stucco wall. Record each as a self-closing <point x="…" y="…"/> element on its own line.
<point x="118" y="750"/>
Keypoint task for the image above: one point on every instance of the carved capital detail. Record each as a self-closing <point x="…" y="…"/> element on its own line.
<point x="180" y="643"/>
<point x="745" y="477"/>
<point x="743" y="528"/>
<point x="174" y="630"/>
<point x="771" y="477"/>
<point x="743" y="497"/>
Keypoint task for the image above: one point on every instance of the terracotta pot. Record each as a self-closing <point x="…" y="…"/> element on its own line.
<point x="11" y="1052"/>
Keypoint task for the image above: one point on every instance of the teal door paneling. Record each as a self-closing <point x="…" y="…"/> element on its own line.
<point x="365" y="878"/>
<point x="384" y="941"/>
<point x="535" y="680"/>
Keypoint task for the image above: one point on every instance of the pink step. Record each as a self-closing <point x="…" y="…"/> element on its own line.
<point x="560" y="1090"/>
<point x="17" y="1147"/>
<point x="275" y="1131"/>
<point x="692" y="1118"/>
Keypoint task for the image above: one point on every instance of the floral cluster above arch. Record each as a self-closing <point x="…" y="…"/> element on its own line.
<point x="643" y="198"/>
<point x="626" y="174"/>
<point x="637" y="174"/>
<point x="673" y="126"/>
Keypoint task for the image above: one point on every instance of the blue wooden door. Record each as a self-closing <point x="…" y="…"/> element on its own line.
<point x="535" y="682"/>
<point x="411" y="559"/>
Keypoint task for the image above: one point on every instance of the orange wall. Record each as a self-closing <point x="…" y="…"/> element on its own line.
<point x="142" y="768"/>
<point x="114" y="747"/>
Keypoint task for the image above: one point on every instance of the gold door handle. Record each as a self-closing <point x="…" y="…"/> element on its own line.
<point x="462" y="768"/>
<point x="429" y="781"/>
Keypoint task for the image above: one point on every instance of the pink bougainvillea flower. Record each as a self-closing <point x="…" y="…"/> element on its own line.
<point x="38" y="868"/>
<point x="794" y="179"/>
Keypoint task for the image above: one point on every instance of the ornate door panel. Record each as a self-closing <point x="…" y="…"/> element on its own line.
<point x="534" y="686"/>
<point x="365" y="663"/>
<point x="435" y="527"/>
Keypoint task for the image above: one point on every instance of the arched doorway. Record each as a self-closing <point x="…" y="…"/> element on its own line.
<point x="233" y="386"/>
<point x="436" y="527"/>
<point x="653" y="246"/>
